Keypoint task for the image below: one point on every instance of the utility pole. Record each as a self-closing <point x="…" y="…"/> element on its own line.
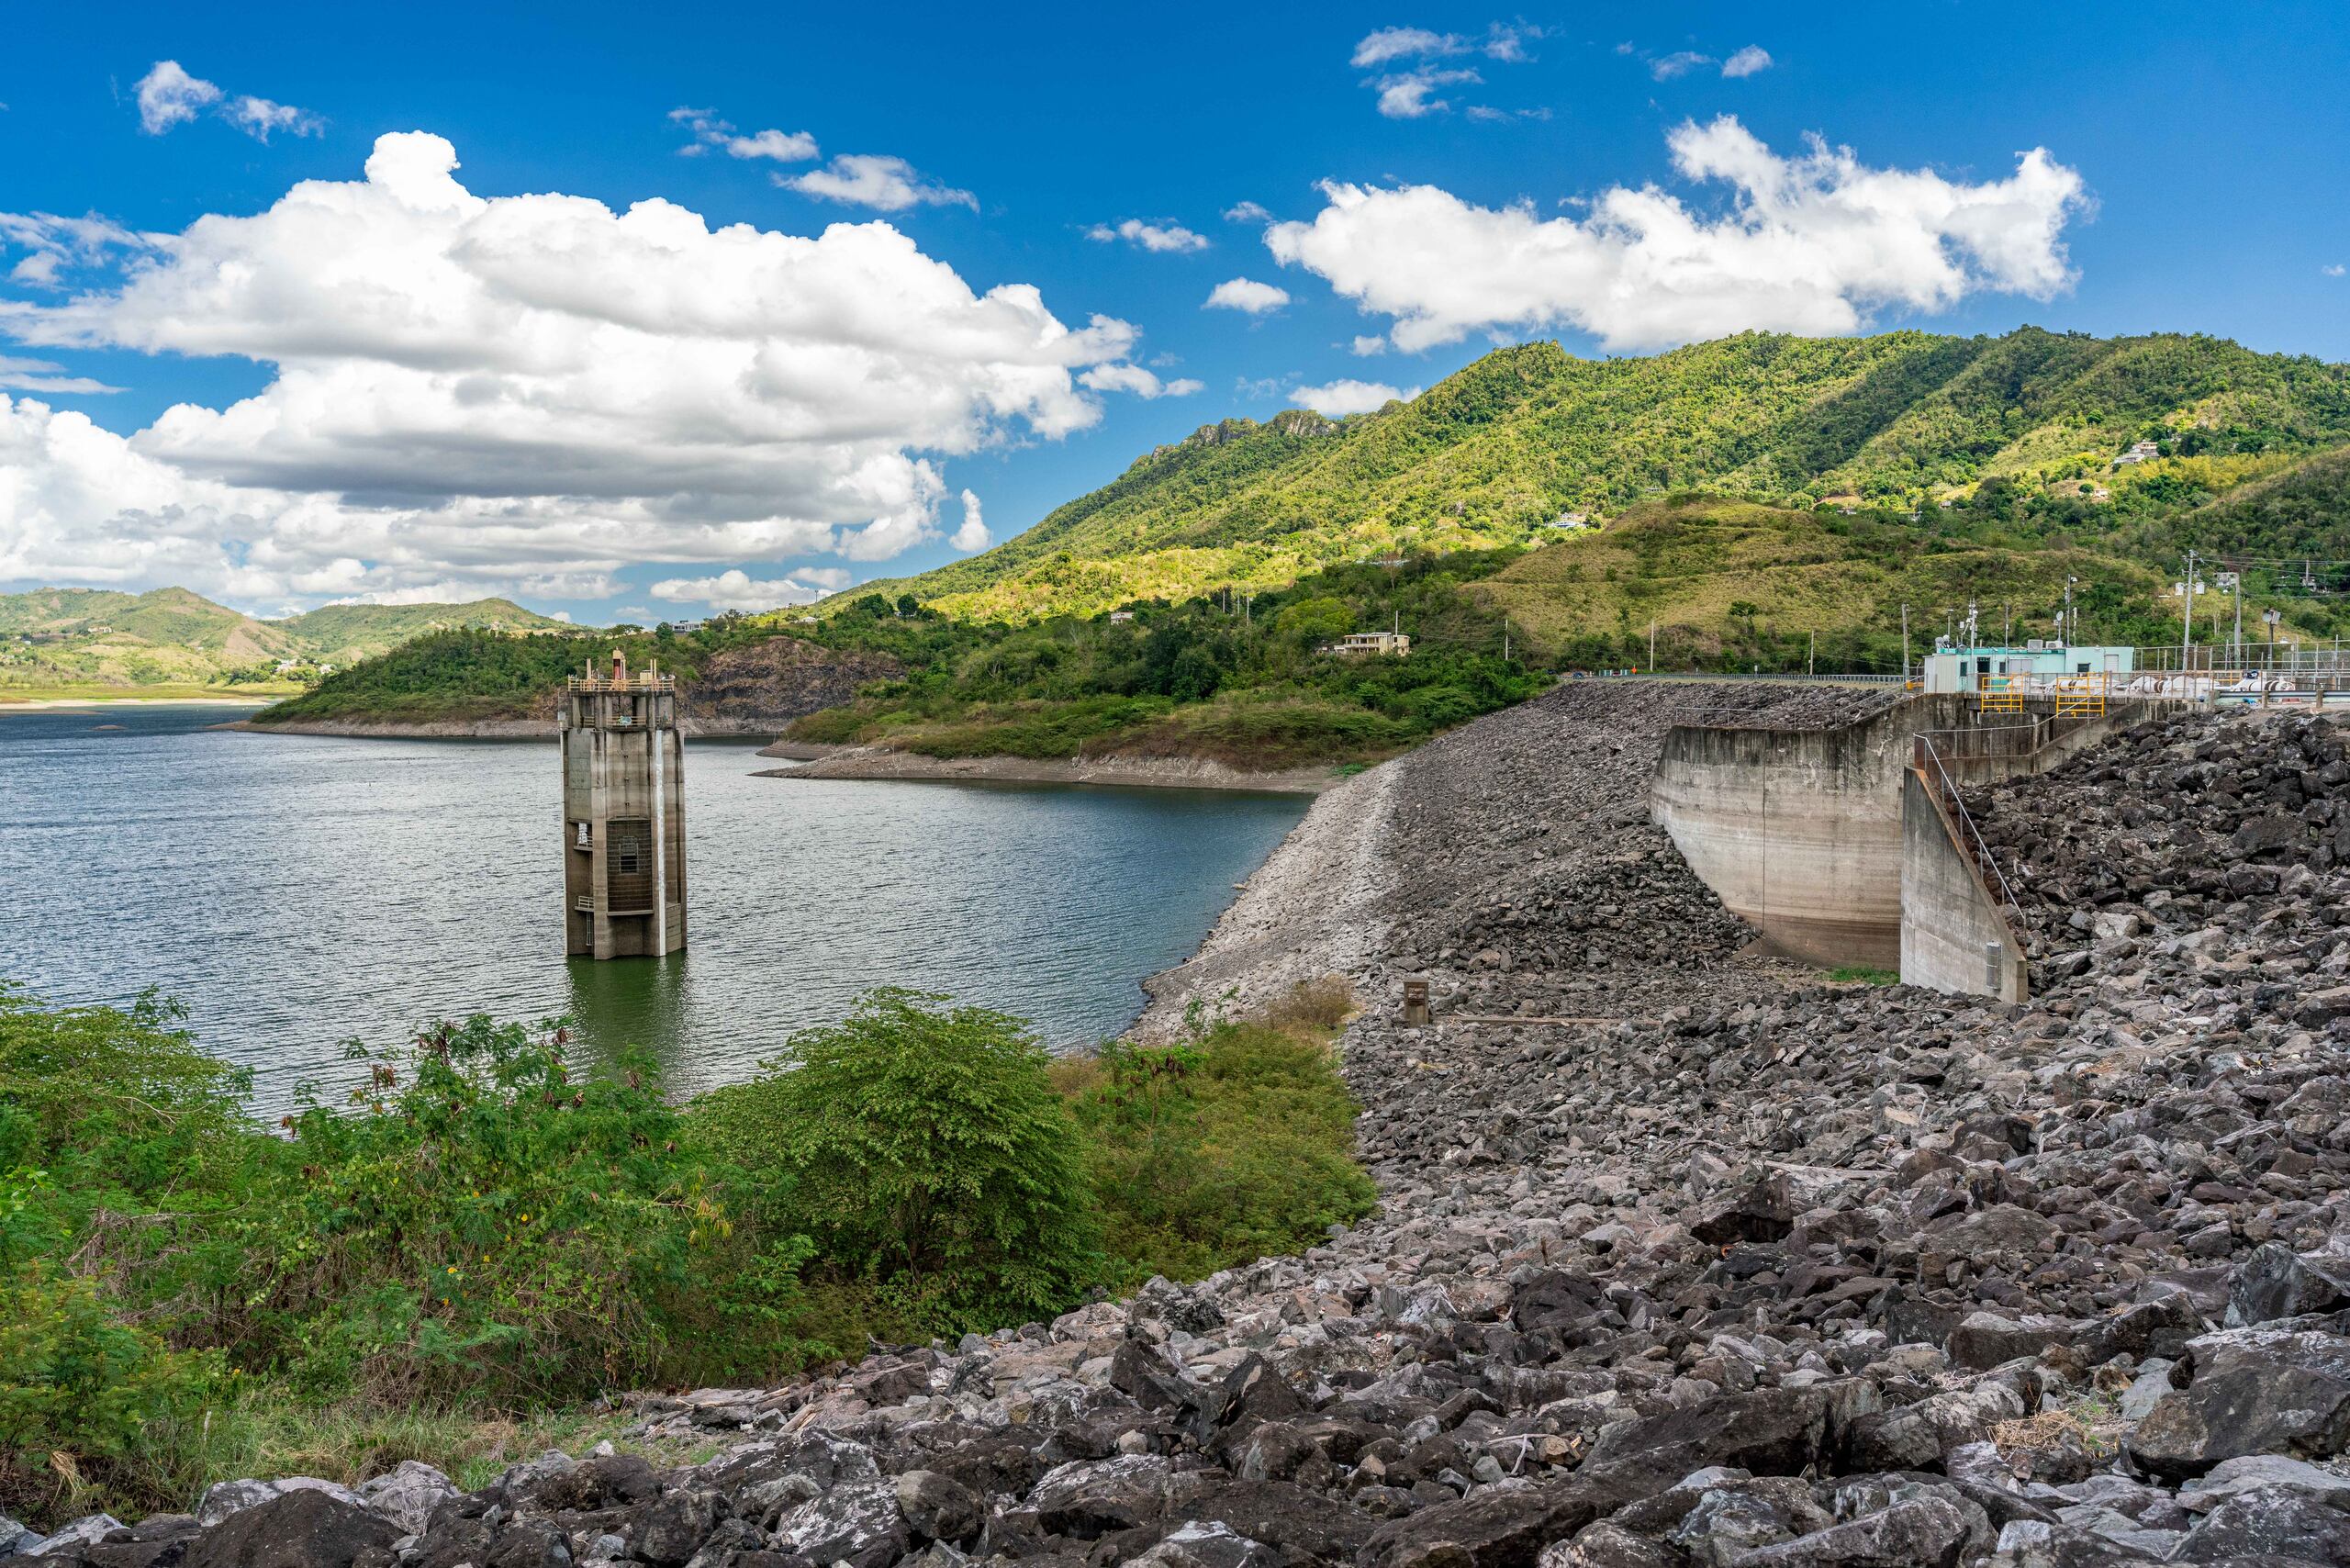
<point x="2065" y="627"/>
<point x="2006" y="622"/>
<point x="1904" y="647"/>
<point x="1504" y="639"/>
<point x="1652" y="645"/>
<point x="2187" y="633"/>
<point x="1811" y="659"/>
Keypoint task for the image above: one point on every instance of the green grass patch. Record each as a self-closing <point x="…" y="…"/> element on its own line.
<point x="1861" y="974"/>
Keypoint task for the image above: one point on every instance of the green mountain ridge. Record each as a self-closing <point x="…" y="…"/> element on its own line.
<point x="1496" y="452"/>
<point x="105" y="637"/>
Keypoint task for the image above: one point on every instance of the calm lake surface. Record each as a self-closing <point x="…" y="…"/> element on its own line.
<point x="296" y="891"/>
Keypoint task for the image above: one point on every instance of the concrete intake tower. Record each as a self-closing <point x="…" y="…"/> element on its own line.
<point x="623" y="814"/>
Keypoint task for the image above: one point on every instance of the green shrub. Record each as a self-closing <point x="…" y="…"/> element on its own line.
<point x="491" y="1226"/>
<point x="82" y="1390"/>
<point x="930" y="1156"/>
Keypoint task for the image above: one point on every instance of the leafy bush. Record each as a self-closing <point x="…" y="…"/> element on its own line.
<point x="480" y="1231"/>
<point x="1230" y="1146"/>
<point x="79" y="1380"/>
<point x="495" y="1226"/>
<point x="931" y="1159"/>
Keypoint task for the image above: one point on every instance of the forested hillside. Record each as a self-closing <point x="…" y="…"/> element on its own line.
<point x="2024" y="429"/>
<point x="67" y="637"/>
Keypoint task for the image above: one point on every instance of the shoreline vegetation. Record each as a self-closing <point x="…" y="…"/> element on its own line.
<point x="478" y="1244"/>
<point x="1245" y="685"/>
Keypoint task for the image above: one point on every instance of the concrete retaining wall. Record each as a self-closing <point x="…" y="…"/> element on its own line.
<point x="1799" y="832"/>
<point x="1953" y="934"/>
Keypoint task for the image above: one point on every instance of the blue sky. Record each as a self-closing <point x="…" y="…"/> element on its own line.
<point x="2195" y="168"/>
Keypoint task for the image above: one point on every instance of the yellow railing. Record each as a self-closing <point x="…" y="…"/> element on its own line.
<point x="1998" y="694"/>
<point x="2081" y="695"/>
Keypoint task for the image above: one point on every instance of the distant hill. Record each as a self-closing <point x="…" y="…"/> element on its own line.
<point x="1725" y="583"/>
<point x="96" y="636"/>
<point x="2031" y="423"/>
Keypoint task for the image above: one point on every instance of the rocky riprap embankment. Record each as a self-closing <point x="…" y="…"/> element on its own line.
<point x="1763" y="1272"/>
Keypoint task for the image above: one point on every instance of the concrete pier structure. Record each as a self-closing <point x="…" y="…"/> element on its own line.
<point x="623" y="814"/>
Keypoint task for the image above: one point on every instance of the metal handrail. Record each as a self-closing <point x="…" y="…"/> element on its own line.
<point x="1946" y="792"/>
<point x="1957" y="741"/>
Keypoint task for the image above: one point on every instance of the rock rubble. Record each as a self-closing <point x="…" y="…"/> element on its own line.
<point x="1743" y="1270"/>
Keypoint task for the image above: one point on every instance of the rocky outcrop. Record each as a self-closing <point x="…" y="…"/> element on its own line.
<point x="758" y="690"/>
<point x="1685" y="1258"/>
<point x="753" y="691"/>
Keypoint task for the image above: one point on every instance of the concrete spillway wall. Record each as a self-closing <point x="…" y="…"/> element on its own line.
<point x="1800" y="832"/>
<point x="1954" y="935"/>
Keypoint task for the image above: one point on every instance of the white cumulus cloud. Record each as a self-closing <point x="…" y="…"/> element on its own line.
<point x="1748" y="61"/>
<point x="1134" y="378"/>
<point x="1809" y="245"/>
<point x="1364" y="347"/>
<point x="168" y="96"/>
<point x="1245" y="212"/>
<point x="1158" y="237"/>
<point x="877" y="181"/>
<point x="710" y="131"/>
<point x="1384" y="44"/>
<point x="973" y="536"/>
<point x="1344" y="396"/>
<point x="1246" y="293"/>
<point x="523" y="393"/>
<point x="736" y="589"/>
<point x="1670" y="67"/>
<point x="1409" y="94"/>
<point x="1407" y="88"/>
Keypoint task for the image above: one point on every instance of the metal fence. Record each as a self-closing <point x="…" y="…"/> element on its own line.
<point x="1928" y="758"/>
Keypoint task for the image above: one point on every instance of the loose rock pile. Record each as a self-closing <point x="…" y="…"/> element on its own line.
<point x="1763" y="1272"/>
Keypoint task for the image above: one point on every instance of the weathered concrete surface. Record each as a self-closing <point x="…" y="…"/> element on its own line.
<point x="1951" y="923"/>
<point x="1799" y="832"/>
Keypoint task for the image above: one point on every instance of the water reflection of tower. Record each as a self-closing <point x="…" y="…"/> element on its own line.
<point x="624" y="814"/>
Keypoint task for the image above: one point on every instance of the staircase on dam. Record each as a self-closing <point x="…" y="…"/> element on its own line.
<point x="1848" y="846"/>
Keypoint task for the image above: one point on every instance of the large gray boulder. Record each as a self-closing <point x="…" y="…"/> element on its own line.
<point x="859" y="1523"/>
<point x="2274" y="1281"/>
<point x="2249" y="1390"/>
<point x="1498" y="1527"/>
<point x="227" y="1497"/>
<point x="2272" y="1521"/>
<point x="407" y="1495"/>
<point x="304" y="1528"/>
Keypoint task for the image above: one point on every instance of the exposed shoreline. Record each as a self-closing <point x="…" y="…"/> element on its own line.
<point x="1311" y="910"/>
<point x="27" y="705"/>
<point x="460" y="730"/>
<point x="1153" y="772"/>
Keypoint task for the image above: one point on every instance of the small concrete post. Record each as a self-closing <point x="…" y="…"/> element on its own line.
<point x="1417" y="1014"/>
<point x="1992" y="954"/>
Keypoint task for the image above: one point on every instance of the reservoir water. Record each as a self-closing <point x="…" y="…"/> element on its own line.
<point x="296" y="892"/>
